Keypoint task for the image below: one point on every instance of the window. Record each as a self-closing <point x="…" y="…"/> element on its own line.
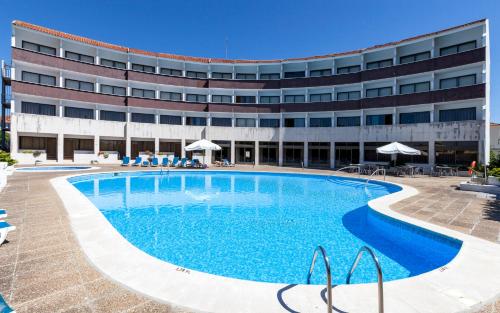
<point x="269" y="99"/>
<point x="79" y="57"/>
<point x="193" y="74"/>
<point x="170" y="72"/>
<point x="38" y="78"/>
<point x="79" y="113"/>
<point x="191" y="97"/>
<point x="295" y="122"/>
<point x="413" y="88"/>
<point x="172" y="96"/>
<point x="295" y="99"/>
<point x="270" y="76"/>
<point x="112" y="116"/>
<point x="245" y="122"/>
<point x="349" y="69"/>
<point x="371" y="154"/>
<point x="348" y="121"/>
<point x="38" y="108"/>
<point x="222" y="121"/>
<point x="320" y="122"/>
<point x="415" y="117"/>
<point x="320" y="97"/>
<point x="460" y="81"/>
<point x="113" y="90"/>
<point x="465" y="114"/>
<point x="143" y="68"/>
<point x="79" y="85"/>
<point x="246" y="76"/>
<point x="222" y="99"/>
<point x="143" y="93"/>
<point x="245" y="99"/>
<point x="115" y="64"/>
<point x="415" y="57"/>
<point x="456" y="152"/>
<point x="38" y="48"/>
<point x="143" y="118"/>
<point x="379" y="119"/>
<point x="378" y="64"/>
<point x="196" y="121"/>
<point x="348" y="95"/>
<point x="378" y="92"/>
<point x="220" y="75"/>
<point x="269" y="122"/>
<point x="458" y="48"/>
<point x="318" y="73"/>
<point x="170" y="119"/>
<point x="295" y="74"/>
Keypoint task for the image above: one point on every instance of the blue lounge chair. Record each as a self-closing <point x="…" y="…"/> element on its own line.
<point x="154" y="162"/>
<point x="4" y="307"/>
<point x="175" y="161"/>
<point x="126" y="161"/>
<point x="5" y="228"/>
<point x="183" y="162"/>
<point x="137" y="161"/>
<point x="164" y="161"/>
<point x="3" y="214"/>
<point x="145" y="163"/>
<point x="195" y="163"/>
<point x="226" y="163"/>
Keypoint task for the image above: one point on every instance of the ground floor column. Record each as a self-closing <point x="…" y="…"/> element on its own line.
<point x="432" y="153"/>
<point x="256" y="159"/>
<point x="280" y="153"/>
<point x="361" y="151"/>
<point x="332" y="154"/>
<point x="233" y="151"/>
<point x="306" y="154"/>
<point x="14" y="141"/>
<point x="60" y="148"/>
<point x="97" y="146"/>
<point x="128" y="147"/>
<point x="183" y="145"/>
<point x="157" y="146"/>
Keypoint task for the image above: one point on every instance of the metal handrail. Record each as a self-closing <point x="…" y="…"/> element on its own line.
<point x="328" y="275"/>
<point x="379" y="274"/>
<point x="350" y="166"/>
<point x="375" y="172"/>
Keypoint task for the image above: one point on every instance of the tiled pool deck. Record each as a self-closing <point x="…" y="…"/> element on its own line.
<point x="42" y="268"/>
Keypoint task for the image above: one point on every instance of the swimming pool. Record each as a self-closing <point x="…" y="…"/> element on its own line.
<point x="262" y="226"/>
<point x="45" y="169"/>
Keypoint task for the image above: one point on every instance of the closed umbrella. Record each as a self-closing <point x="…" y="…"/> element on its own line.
<point x="204" y="145"/>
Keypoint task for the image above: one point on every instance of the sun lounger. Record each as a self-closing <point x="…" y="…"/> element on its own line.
<point x="226" y="163"/>
<point x="126" y="161"/>
<point x="164" y="162"/>
<point x="183" y="162"/>
<point x="154" y="162"/>
<point x="145" y="163"/>
<point x="3" y="214"/>
<point x="175" y="161"/>
<point x="4" y="307"/>
<point x="195" y="163"/>
<point x="5" y="228"/>
<point x="137" y="161"/>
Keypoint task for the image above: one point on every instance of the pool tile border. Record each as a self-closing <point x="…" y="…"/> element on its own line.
<point x="469" y="281"/>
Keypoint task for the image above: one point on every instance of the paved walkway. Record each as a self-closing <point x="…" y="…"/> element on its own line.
<point x="42" y="268"/>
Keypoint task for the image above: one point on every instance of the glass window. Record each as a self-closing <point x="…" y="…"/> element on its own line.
<point x="112" y="116"/>
<point x="415" y="57"/>
<point x="194" y="74"/>
<point x="458" y="48"/>
<point x="79" y="57"/>
<point x="79" y="113"/>
<point x="143" y="118"/>
<point x="295" y="99"/>
<point x="269" y="99"/>
<point x="245" y="122"/>
<point x="320" y="122"/>
<point x="247" y="76"/>
<point x="378" y="64"/>
<point x="38" y="48"/>
<point x="38" y="78"/>
<point x="143" y="68"/>
<point x="220" y="75"/>
<point x="415" y="117"/>
<point x="221" y="121"/>
<point x="378" y="92"/>
<point x="222" y="99"/>
<point x="115" y="64"/>
<point x="349" y="69"/>
<point x="38" y="108"/>
<point x="416" y="87"/>
<point x="460" y="81"/>
<point x="170" y="72"/>
<point x="270" y="76"/>
<point x="295" y="74"/>
<point x="319" y="73"/>
<point x="460" y="153"/>
<point x="269" y="122"/>
<point x="466" y="80"/>
<point x="143" y="93"/>
<point x="196" y="121"/>
<point x="320" y="97"/>
<point x="170" y="119"/>
<point x="295" y="122"/>
<point x="465" y="114"/>
<point x="113" y="90"/>
<point x="172" y="96"/>
<point x="348" y="121"/>
<point x="350" y="95"/>
<point x="379" y="119"/>
<point x="196" y="98"/>
<point x="371" y="93"/>
<point x="79" y="85"/>
<point x="246" y="99"/>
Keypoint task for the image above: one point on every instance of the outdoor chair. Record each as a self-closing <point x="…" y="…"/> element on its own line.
<point x="5" y="228"/>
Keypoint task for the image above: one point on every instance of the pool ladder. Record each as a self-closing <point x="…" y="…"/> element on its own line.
<point x="379" y="170"/>
<point x="361" y="251"/>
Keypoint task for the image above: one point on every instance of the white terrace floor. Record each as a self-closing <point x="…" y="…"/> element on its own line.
<point x="44" y="269"/>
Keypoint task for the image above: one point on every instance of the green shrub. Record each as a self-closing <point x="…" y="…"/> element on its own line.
<point x="494" y="172"/>
<point x="5" y="157"/>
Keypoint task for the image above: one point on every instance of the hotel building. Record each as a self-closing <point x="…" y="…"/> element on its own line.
<point x="76" y="99"/>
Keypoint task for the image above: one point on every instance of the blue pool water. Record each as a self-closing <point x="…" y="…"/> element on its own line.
<point x="52" y="168"/>
<point x="263" y="226"/>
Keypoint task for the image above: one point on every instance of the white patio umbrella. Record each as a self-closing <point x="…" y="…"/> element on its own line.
<point x="396" y="148"/>
<point x="204" y="145"/>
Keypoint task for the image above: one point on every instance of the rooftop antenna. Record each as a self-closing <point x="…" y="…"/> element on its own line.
<point x="225" y="45"/>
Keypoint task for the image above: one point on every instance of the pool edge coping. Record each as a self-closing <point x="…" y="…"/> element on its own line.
<point x="220" y="295"/>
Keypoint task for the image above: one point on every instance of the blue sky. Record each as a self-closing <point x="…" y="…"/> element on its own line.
<point x="256" y="29"/>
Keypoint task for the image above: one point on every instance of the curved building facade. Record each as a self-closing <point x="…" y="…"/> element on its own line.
<point x="76" y="99"/>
